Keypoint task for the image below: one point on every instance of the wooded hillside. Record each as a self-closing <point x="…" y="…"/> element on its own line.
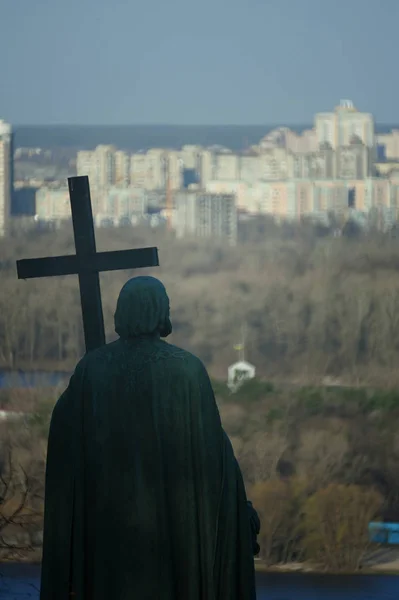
<point x="314" y="305"/>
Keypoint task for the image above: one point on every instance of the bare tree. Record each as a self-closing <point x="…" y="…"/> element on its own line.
<point x="22" y="461"/>
<point x="261" y="454"/>
<point x="321" y="456"/>
<point x="336" y="525"/>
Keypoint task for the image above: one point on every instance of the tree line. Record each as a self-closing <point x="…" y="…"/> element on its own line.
<point x="313" y="305"/>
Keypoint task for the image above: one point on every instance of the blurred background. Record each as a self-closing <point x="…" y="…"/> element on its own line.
<point x="257" y="146"/>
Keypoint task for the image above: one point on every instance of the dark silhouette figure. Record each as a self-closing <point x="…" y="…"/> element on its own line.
<point x="144" y="497"/>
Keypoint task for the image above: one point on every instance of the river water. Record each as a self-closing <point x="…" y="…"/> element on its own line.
<point x="22" y="582"/>
<point x="32" y="379"/>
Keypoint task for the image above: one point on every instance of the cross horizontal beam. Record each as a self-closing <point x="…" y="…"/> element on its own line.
<point x="30" y="268"/>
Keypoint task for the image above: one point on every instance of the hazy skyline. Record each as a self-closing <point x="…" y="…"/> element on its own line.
<point x="215" y="62"/>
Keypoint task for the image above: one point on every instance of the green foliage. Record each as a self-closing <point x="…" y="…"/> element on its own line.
<point x="276" y="413"/>
<point x="311" y="401"/>
<point x="385" y="401"/>
<point x="220" y="389"/>
<point x="343" y="402"/>
<point x="254" y="390"/>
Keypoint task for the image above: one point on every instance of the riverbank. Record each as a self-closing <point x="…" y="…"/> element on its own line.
<point x="384" y="561"/>
<point x="304" y="568"/>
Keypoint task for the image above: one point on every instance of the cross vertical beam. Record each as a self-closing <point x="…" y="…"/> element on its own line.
<point x="87" y="263"/>
<point x="85" y="244"/>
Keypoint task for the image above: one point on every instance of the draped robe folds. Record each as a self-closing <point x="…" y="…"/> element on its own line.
<point x="144" y="497"/>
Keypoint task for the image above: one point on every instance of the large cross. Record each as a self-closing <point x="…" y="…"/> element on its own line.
<point x="87" y="263"/>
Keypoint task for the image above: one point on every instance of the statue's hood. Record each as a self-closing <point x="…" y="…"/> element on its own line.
<point x="142" y="309"/>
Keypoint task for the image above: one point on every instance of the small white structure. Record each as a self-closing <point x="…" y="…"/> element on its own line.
<point x="241" y="370"/>
<point x="238" y="373"/>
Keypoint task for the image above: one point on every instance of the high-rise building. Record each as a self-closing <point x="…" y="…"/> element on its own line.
<point x="388" y="145"/>
<point x="273" y="164"/>
<point x="251" y="168"/>
<point x="341" y="127"/>
<point x="150" y="169"/>
<point x="277" y="198"/>
<point x="6" y="175"/>
<point x="123" y="206"/>
<point x="190" y="157"/>
<point x="139" y="169"/>
<point x="237" y="188"/>
<point x="157" y="162"/>
<point x="205" y="215"/>
<point x="174" y="166"/>
<point x="53" y="204"/>
<point x="85" y="165"/>
<point x="354" y="161"/>
<point x="227" y="166"/>
<point x="98" y="165"/>
<point x="207" y="167"/>
<point x="122" y="169"/>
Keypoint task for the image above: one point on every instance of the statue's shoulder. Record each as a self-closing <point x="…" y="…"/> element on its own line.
<point x="98" y="357"/>
<point x="176" y="351"/>
<point x="181" y="356"/>
<point x="160" y="351"/>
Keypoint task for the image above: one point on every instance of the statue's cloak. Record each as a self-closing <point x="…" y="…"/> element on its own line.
<point x="144" y="498"/>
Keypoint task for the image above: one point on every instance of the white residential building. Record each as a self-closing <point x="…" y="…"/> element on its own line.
<point x="6" y="175"/>
<point x="338" y="128"/>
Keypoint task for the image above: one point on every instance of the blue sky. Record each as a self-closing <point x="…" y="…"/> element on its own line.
<point x="210" y="62"/>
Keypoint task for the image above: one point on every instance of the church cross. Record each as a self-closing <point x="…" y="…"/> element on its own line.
<point x="241" y="346"/>
<point x="87" y="263"/>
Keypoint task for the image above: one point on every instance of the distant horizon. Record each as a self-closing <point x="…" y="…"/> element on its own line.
<point x="136" y="138"/>
<point x="246" y="125"/>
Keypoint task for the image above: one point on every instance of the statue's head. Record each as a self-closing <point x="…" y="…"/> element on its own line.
<point x="142" y="309"/>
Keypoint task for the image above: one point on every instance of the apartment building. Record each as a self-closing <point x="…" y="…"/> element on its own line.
<point x="201" y="214"/>
<point x="175" y="167"/>
<point x="207" y="168"/>
<point x="340" y="127"/>
<point x="122" y="169"/>
<point x="6" y="175"/>
<point x="227" y="167"/>
<point x="236" y="188"/>
<point x="152" y="170"/>
<point x="388" y="144"/>
<point x="114" y="206"/>
<point x="190" y="155"/>
<point x="53" y="204"/>
<point x="251" y="169"/>
<point x="274" y="164"/>
<point x="99" y="166"/>
<point x="354" y="161"/>
<point x="123" y="206"/>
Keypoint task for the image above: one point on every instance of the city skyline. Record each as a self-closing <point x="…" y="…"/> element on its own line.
<point x="221" y="63"/>
<point x="332" y="167"/>
<point x="339" y="166"/>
